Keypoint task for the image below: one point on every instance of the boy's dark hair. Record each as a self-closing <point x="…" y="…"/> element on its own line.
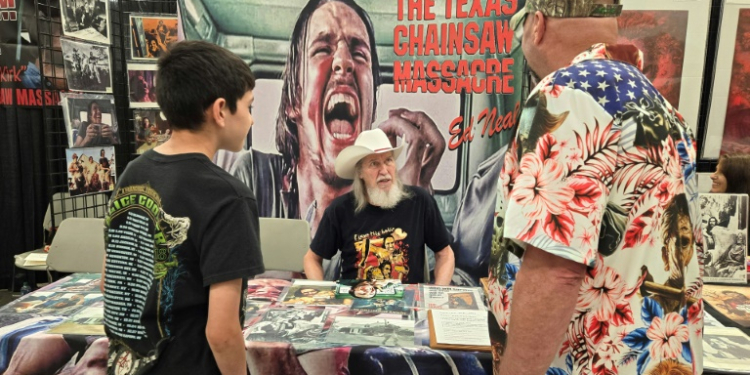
<point x="192" y="75"/>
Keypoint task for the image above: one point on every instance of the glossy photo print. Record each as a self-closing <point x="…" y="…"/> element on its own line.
<point x="151" y="36"/>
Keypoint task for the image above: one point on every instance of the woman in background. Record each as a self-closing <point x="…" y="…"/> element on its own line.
<point x="732" y="174"/>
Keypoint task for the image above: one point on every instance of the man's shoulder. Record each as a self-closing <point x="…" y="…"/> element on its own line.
<point x="342" y="201"/>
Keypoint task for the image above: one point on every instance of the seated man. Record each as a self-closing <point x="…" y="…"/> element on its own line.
<point x="380" y="221"/>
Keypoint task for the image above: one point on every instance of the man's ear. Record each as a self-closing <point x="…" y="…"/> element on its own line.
<point x="217" y="112"/>
<point x="540" y="27"/>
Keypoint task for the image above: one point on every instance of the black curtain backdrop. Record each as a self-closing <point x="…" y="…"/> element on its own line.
<point x="23" y="185"/>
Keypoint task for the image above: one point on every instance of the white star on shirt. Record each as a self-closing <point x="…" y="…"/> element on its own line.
<point x="631" y="95"/>
<point x="616" y="69"/>
<point x="603" y="86"/>
<point x="583" y="73"/>
<point x="603" y="100"/>
<point x="631" y="83"/>
<point x="565" y="73"/>
<point x="631" y="73"/>
<point x="584" y="85"/>
<point x="618" y="78"/>
<point x="600" y="73"/>
<point x="571" y="84"/>
<point x="645" y="92"/>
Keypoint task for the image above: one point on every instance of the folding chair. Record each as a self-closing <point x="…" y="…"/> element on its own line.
<point x="78" y="246"/>
<point x="284" y="243"/>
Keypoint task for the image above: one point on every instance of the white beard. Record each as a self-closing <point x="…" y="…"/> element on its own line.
<point x="386" y="199"/>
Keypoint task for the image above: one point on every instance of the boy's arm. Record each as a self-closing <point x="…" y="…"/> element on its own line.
<point x="223" y="329"/>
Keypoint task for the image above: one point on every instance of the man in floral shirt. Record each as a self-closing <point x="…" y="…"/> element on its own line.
<point x="598" y="195"/>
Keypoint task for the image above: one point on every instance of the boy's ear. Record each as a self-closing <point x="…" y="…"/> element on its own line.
<point x="216" y="112"/>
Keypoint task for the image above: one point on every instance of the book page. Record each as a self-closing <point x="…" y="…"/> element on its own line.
<point x="461" y="327"/>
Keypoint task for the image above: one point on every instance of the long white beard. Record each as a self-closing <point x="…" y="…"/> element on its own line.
<point x="386" y="199"/>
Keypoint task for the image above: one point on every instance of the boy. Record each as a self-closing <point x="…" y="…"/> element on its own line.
<point x="181" y="233"/>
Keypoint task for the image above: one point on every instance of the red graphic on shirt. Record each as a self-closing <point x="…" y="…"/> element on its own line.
<point x="383" y="257"/>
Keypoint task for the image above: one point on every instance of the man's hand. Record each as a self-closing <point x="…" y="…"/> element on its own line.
<point x="91" y="132"/>
<point x="426" y="145"/>
<point x="107" y="132"/>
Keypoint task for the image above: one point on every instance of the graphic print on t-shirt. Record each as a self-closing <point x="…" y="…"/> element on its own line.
<point x="142" y="245"/>
<point x="382" y="254"/>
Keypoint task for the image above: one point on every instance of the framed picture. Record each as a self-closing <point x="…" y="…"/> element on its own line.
<point x="151" y="129"/>
<point x="90" y="169"/>
<point x="672" y="36"/>
<point x="724" y="221"/>
<point x="151" y="35"/>
<point x="90" y="119"/>
<point x="728" y="129"/>
<point x="87" y="66"/>
<point x="142" y="85"/>
<point x="86" y="19"/>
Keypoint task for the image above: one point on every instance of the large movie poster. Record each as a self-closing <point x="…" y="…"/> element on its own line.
<point x="660" y="35"/>
<point x="737" y="123"/>
<point x="444" y="77"/>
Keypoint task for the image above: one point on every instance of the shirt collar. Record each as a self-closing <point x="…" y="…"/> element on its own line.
<point x="626" y="53"/>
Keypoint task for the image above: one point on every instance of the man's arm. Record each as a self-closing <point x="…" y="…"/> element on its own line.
<point x="223" y="329"/>
<point x="313" y="264"/>
<point x="544" y="300"/>
<point x="444" y="266"/>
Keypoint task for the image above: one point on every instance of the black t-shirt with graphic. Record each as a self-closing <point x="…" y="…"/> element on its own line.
<point x="176" y="224"/>
<point x="382" y="244"/>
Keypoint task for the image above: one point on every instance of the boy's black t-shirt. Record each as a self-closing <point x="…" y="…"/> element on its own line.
<point x="176" y="224"/>
<point x="379" y="243"/>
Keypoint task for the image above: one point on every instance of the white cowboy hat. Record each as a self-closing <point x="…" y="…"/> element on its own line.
<point x="368" y="142"/>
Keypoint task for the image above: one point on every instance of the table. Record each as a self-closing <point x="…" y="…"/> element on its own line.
<point x="26" y="348"/>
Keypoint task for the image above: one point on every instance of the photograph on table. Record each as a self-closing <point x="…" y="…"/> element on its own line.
<point x="728" y="125"/>
<point x="151" y="129"/>
<point x="366" y="289"/>
<point x="672" y="35"/>
<point x="724" y="219"/>
<point x="266" y="289"/>
<point x="86" y="19"/>
<point x="732" y="302"/>
<point x="726" y="350"/>
<point x="142" y="85"/>
<point x="371" y="331"/>
<point x="87" y="321"/>
<point x="87" y="66"/>
<point x="298" y="326"/>
<point x="151" y="35"/>
<point x="253" y="309"/>
<point x="90" y="119"/>
<point x="90" y="169"/>
<point x="79" y="285"/>
<point x="53" y="303"/>
<point x="306" y="292"/>
<point x="450" y="297"/>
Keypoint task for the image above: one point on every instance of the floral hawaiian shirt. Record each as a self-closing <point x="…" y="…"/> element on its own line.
<point x="603" y="172"/>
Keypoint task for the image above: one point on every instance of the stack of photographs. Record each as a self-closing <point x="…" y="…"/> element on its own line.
<point x="726" y="350"/>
